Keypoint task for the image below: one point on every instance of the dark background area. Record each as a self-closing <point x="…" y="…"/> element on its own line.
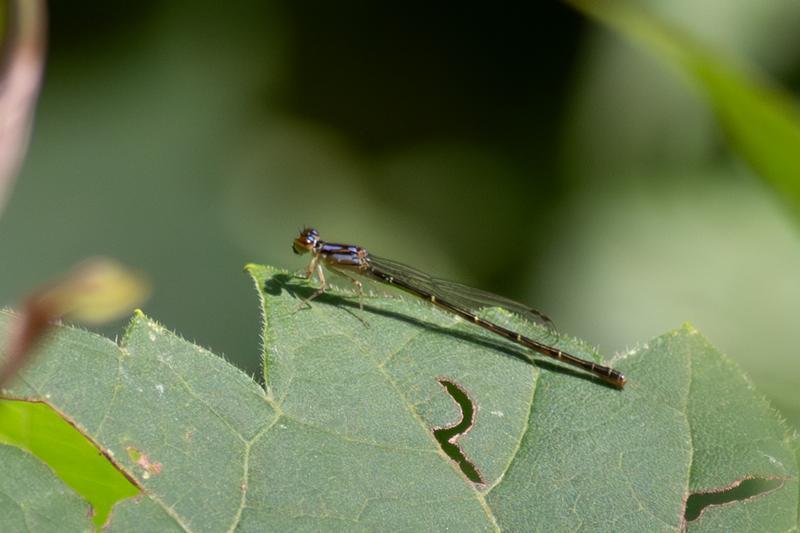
<point x="519" y="149"/>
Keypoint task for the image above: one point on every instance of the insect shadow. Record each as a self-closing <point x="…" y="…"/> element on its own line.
<point x="298" y="288"/>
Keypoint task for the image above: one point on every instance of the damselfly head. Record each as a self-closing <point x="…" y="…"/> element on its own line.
<point x="306" y="242"/>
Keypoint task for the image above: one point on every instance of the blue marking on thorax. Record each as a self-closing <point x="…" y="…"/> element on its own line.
<point x="341" y="254"/>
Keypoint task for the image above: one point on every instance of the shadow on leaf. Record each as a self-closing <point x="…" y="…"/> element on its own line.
<point x="298" y="288"/>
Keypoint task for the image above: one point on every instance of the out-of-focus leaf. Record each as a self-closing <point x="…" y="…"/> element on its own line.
<point x="22" y="46"/>
<point x="762" y="121"/>
<point x="96" y="291"/>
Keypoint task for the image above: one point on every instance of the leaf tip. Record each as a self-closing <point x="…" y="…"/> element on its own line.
<point x="688" y="328"/>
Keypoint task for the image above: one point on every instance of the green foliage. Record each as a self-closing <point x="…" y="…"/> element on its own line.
<point x="761" y="120"/>
<point x="176" y="418"/>
<point x="343" y="437"/>
<point x="38" y="429"/>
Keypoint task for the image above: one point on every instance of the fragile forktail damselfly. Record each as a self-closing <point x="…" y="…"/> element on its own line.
<point x="458" y="299"/>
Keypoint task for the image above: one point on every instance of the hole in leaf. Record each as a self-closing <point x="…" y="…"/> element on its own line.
<point x="42" y="431"/>
<point x="448" y="435"/>
<point x="746" y="489"/>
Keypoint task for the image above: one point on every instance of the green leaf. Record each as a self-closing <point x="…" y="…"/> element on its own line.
<point x="555" y="450"/>
<point x="33" y="499"/>
<point x="796" y="445"/>
<point x="762" y="120"/>
<point x="176" y="418"/>
<point x="143" y="514"/>
<point x="40" y="430"/>
<point x="343" y="437"/>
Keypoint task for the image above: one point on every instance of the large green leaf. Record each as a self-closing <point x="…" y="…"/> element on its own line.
<point x="761" y="120"/>
<point x="176" y="418"/>
<point x="343" y="437"/>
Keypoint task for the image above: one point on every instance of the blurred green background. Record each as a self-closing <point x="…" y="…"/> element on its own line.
<point x="521" y="149"/>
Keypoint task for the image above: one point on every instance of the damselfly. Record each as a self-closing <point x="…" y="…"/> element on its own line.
<point x="453" y="297"/>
